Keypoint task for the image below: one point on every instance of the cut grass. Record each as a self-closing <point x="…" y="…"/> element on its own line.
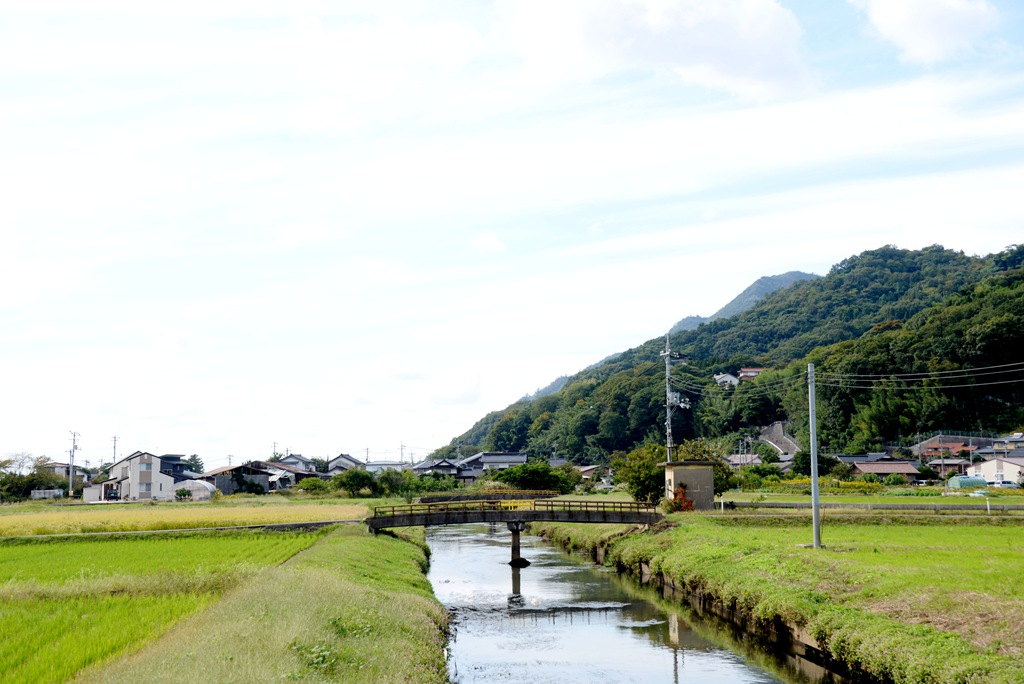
<point x="882" y="597"/>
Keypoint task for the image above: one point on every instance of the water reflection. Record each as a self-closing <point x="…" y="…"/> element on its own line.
<point x="565" y="620"/>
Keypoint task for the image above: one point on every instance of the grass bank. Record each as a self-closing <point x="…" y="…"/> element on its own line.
<point x="923" y="602"/>
<point x="352" y="608"/>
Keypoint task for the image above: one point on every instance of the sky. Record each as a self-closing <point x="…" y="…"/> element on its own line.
<point x="323" y="227"/>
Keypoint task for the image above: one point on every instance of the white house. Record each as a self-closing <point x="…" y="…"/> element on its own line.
<point x="1000" y="470"/>
<point x="141" y="476"/>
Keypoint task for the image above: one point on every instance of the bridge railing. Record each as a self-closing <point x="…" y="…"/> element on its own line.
<point x="513" y="505"/>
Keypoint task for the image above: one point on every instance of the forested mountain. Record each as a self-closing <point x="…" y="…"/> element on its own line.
<point x="757" y="291"/>
<point x="886" y="312"/>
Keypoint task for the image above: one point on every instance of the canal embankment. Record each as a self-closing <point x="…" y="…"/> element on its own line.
<point x="896" y="599"/>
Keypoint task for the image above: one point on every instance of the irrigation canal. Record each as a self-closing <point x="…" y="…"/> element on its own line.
<point x="565" y="620"/>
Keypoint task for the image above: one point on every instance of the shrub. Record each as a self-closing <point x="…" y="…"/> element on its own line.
<point x="313" y="485"/>
<point x="895" y="480"/>
<point x="183" y="494"/>
<point x="678" y="502"/>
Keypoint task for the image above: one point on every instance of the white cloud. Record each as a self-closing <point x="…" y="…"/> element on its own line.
<point x="930" y="31"/>
<point x="488" y="243"/>
<point x="747" y="47"/>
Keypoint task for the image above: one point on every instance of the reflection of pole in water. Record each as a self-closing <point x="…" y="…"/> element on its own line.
<point x="515" y="600"/>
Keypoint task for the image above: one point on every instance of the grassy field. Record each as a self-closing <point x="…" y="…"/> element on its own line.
<point x="915" y="602"/>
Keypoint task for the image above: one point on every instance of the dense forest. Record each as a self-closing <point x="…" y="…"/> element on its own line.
<point x="904" y="342"/>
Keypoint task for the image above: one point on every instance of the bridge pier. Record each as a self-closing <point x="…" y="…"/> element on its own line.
<point x="515" y="527"/>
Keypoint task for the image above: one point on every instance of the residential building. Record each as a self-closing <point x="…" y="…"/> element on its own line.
<point x="61" y="470"/>
<point x="885" y="468"/>
<point x="749" y="373"/>
<point x="726" y="380"/>
<point x="440" y="466"/>
<point x="142" y="476"/>
<point x="377" y="467"/>
<point x="472" y="468"/>
<point x="298" y="461"/>
<point x="240" y="478"/>
<point x="999" y="469"/>
<point x="343" y="462"/>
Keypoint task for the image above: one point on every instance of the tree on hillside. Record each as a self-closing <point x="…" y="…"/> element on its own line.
<point x="642" y="472"/>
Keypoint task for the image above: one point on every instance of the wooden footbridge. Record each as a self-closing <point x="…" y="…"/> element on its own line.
<point x="516" y="514"/>
<point x="556" y="510"/>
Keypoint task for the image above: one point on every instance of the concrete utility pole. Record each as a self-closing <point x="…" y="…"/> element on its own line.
<point x="71" y="464"/>
<point x="672" y="399"/>
<point x="815" y="498"/>
<point x="115" y="451"/>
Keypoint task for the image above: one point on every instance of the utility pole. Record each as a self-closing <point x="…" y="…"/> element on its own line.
<point x="672" y="399"/>
<point x="275" y="449"/>
<point x="815" y="498"/>
<point x="401" y="453"/>
<point x="71" y="464"/>
<point x="115" y="451"/>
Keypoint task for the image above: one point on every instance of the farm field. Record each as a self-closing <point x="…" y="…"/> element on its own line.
<point x="906" y="598"/>
<point x="38" y="519"/>
<point x="68" y="602"/>
<point x="325" y="605"/>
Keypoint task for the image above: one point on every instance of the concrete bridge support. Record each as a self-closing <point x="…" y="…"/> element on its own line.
<point x="516" y="527"/>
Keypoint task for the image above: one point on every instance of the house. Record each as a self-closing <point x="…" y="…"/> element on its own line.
<point x="590" y="471"/>
<point x="441" y="466"/>
<point x="1009" y="442"/>
<point x="749" y="373"/>
<point x="885" y="468"/>
<point x="377" y="467"/>
<point x="142" y="476"/>
<point x="61" y="470"/>
<point x="343" y="462"/>
<point x="298" y="461"/>
<point x="999" y="469"/>
<point x="472" y="468"/>
<point x="240" y="478"/>
<point x="943" y="466"/>
<point x="283" y="476"/>
<point x="736" y="461"/>
<point x="726" y="380"/>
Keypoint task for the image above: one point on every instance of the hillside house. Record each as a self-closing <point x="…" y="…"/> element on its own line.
<point x="726" y="380"/>
<point x="441" y="466"/>
<point x="749" y="373"/>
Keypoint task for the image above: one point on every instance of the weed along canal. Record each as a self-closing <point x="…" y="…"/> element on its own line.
<point x="563" y="619"/>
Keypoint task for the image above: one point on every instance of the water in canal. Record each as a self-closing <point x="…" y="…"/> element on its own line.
<point x="566" y="620"/>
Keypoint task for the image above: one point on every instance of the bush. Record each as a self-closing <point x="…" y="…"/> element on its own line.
<point x="313" y="485"/>
<point x="183" y="494"/>
<point x="895" y="480"/>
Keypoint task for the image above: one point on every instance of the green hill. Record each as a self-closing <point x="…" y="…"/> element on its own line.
<point x="757" y="291"/>
<point x="930" y="308"/>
